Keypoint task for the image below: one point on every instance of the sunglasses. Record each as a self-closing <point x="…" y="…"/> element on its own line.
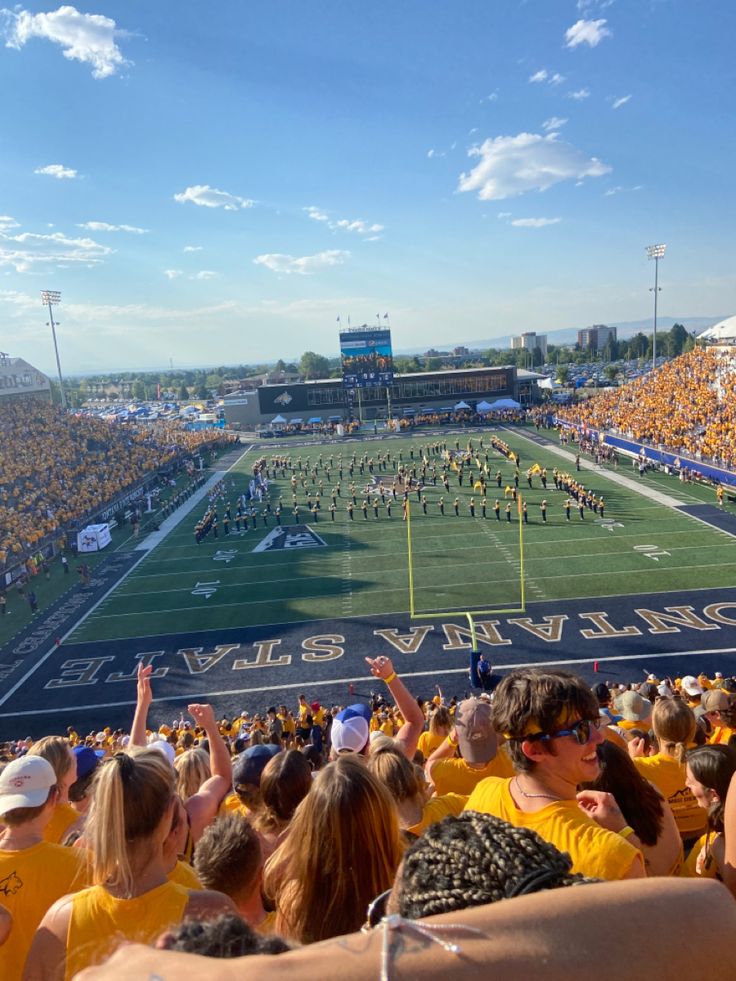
<point x="581" y="730"/>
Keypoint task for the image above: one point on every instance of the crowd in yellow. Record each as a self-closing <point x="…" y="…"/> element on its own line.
<point x="57" y="467"/>
<point x="687" y="405"/>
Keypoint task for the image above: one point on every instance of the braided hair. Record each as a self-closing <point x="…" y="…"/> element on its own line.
<point x="475" y="859"/>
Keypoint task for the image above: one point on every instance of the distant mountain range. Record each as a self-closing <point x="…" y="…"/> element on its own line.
<point x="569" y="335"/>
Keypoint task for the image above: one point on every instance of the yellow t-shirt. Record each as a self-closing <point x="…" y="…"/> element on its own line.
<point x="710" y="868"/>
<point x="594" y="851"/>
<point x="721" y="735"/>
<point x="233" y="804"/>
<point x="31" y="880"/>
<point x="184" y="875"/>
<point x="668" y="776"/>
<point x="437" y="808"/>
<point x="429" y="742"/>
<point x="99" y="922"/>
<point x="456" y="777"/>
<point x="64" y="817"/>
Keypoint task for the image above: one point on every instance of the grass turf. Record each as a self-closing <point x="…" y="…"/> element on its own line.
<point x="460" y="563"/>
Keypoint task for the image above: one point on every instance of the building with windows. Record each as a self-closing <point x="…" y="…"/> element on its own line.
<point x="327" y="400"/>
<point x="595" y="338"/>
<point x="530" y="341"/>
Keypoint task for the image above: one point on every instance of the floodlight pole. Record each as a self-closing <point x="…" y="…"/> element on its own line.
<point x="50" y="298"/>
<point x="655" y="252"/>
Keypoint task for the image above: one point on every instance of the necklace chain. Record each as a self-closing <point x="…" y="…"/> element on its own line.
<point x="532" y="796"/>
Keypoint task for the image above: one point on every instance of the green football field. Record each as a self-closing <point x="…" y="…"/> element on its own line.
<point x="359" y="567"/>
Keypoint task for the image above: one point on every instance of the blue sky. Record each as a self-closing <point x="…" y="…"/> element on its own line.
<point x="219" y="182"/>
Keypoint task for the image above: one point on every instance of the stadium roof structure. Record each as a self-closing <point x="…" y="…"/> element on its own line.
<point x="725" y="330"/>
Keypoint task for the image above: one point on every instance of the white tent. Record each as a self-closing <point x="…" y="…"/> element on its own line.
<point x="461" y="405"/>
<point x="725" y="330"/>
<point x="483" y="406"/>
<point x="278" y="420"/>
<point x="545" y="383"/>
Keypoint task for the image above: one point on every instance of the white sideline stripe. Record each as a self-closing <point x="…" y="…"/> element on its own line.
<point x="346" y="681"/>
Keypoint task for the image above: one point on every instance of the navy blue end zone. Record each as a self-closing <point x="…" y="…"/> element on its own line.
<point x="93" y="684"/>
<point x="711" y="515"/>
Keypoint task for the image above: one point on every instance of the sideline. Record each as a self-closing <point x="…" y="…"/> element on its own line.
<point x="366" y="679"/>
<point x="617" y="478"/>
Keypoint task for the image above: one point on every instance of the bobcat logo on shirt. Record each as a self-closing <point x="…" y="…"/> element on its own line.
<point x="10" y="885"/>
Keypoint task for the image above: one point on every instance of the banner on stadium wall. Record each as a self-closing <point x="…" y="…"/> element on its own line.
<point x="367" y="358"/>
<point x="93" y="538"/>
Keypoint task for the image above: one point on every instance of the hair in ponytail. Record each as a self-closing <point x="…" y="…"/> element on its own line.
<point x="674" y="726"/>
<point x="131" y="795"/>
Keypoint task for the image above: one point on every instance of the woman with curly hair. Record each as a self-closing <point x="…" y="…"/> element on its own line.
<point x="473" y="860"/>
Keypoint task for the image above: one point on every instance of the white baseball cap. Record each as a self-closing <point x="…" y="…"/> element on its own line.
<point x="25" y="783"/>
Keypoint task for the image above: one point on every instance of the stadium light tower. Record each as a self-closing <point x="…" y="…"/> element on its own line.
<point x="50" y="298"/>
<point x="655" y="252"/>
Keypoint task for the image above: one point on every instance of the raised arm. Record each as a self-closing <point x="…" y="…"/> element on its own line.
<point x="408" y="735"/>
<point x="142" y="705"/>
<point x="202" y="806"/>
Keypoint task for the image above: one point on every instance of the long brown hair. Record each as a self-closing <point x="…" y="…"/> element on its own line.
<point x="341" y="851"/>
<point x="713" y="766"/>
<point x="640" y="803"/>
<point x="285" y="782"/>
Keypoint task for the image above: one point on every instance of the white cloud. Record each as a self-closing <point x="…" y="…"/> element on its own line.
<point x="513" y="165"/>
<point x="553" y="123"/>
<point x="590" y="32"/>
<point x="7" y="222"/>
<point x="304" y="265"/>
<point x="192" y="248"/>
<point x="89" y="38"/>
<point x="103" y="226"/>
<point x="579" y="95"/>
<point x="356" y="225"/>
<point x="534" y="222"/>
<point x="205" y="274"/>
<point x="491" y="97"/>
<point x="617" y="103"/>
<point x="210" y="197"/>
<point x="503" y="215"/>
<point x="24" y="251"/>
<point x="173" y="273"/>
<point x="543" y="76"/>
<point x="57" y="170"/>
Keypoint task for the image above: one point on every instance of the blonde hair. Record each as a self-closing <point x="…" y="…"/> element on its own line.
<point x="674" y="726"/>
<point x="131" y="794"/>
<point x="56" y="750"/>
<point x="392" y="769"/>
<point x="192" y="769"/>
<point x="440" y="722"/>
<point x="341" y="851"/>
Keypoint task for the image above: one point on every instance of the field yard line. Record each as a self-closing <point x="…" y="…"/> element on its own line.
<point x="362" y="678"/>
<point x="378" y="591"/>
<point x="616" y="478"/>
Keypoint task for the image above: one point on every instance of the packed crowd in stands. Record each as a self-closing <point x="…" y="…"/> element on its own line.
<point x="58" y="468"/>
<point x="265" y="832"/>
<point x="688" y="406"/>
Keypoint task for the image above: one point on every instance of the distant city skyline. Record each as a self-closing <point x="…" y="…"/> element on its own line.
<point x="220" y="185"/>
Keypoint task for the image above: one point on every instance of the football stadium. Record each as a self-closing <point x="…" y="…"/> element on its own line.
<point x="344" y="661"/>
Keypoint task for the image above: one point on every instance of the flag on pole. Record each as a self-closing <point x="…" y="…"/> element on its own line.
<point x="385" y="316"/>
<point x="338" y="318"/>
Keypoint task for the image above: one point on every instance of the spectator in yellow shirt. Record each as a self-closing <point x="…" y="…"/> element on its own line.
<point x="475" y="738"/>
<point x="550" y="721"/>
<point x="718" y="712"/>
<point x="709" y="770"/>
